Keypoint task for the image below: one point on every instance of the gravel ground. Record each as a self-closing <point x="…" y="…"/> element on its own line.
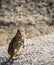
<point x="37" y="51"/>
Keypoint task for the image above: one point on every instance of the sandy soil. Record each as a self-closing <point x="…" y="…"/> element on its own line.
<point x="37" y="16"/>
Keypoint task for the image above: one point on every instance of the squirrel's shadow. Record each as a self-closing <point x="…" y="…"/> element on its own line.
<point x="7" y="62"/>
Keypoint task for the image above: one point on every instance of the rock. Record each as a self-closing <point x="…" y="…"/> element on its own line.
<point x="37" y="51"/>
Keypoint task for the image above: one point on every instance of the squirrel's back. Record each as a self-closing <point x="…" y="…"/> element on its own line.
<point x="16" y="42"/>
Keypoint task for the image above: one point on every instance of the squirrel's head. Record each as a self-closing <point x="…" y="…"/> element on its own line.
<point x="21" y="33"/>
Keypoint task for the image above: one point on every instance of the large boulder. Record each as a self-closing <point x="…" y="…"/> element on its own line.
<point x="37" y="51"/>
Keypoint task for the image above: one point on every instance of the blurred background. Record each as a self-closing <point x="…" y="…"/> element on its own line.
<point x="37" y="16"/>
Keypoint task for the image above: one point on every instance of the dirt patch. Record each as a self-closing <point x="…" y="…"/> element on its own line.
<point x="37" y="16"/>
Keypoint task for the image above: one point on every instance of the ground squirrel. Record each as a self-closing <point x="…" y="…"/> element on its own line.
<point x="16" y="43"/>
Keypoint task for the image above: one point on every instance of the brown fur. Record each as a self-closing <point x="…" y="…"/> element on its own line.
<point x="16" y="43"/>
